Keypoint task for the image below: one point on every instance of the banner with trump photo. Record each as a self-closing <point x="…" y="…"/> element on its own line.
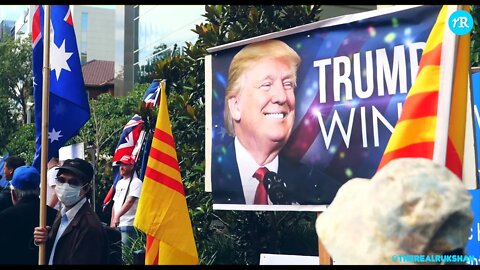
<point x="293" y="115"/>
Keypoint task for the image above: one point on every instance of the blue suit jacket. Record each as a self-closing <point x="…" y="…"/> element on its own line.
<point x="305" y="184"/>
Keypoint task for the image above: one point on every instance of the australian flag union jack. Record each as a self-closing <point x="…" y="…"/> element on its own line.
<point x="68" y="103"/>
<point x="151" y="95"/>
<point x="129" y="140"/>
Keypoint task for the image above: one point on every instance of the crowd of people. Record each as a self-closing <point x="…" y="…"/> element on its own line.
<point x="74" y="234"/>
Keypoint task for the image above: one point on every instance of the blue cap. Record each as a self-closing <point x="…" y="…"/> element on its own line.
<point x="25" y="178"/>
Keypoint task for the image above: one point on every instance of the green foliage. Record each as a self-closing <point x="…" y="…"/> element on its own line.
<point x="475" y="37"/>
<point x="226" y="23"/>
<point x="137" y="244"/>
<point x="8" y="124"/>
<point x="16" y="84"/>
<point x="22" y="143"/>
<point x="146" y="73"/>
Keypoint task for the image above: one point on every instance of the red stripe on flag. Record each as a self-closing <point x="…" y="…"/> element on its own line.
<point x="150" y="240"/>
<point x="109" y="195"/>
<point x="164" y="158"/>
<point x="426" y="101"/>
<point x="418" y="150"/>
<point x="453" y="161"/>
<point x="36" y="31"/>
<point x="68" y="18"/>
<point x="164" y="137"/>
<point x="431" y="58"/>
<point x="164" y="180"/>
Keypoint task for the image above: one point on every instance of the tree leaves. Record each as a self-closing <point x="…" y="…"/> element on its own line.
<point x="475" y="37"/>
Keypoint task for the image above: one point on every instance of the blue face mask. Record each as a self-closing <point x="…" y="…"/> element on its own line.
<point x="67" y="194"/>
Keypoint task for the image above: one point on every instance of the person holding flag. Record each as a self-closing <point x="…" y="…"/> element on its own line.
<point x="128" y="142"/>
<point x="132" y="141"/>
<point x="60" y="97"/>
<point x="125" y="204"/>
<point x="77" y="235"/>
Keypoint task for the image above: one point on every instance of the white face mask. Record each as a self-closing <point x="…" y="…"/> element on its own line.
<point x="67" y="194"/>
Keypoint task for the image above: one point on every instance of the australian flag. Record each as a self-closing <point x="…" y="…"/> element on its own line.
<point x="151" y="95"/>
<point x="68" y="109"/>
<point x="129" y="140"/>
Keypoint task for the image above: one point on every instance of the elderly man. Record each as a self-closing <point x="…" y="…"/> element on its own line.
<point x="259" y="114"/>
<point x="17" y="222"/>
<point x="77" y="236"/>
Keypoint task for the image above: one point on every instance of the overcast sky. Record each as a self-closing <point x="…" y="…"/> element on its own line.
<point x="12" y="12"/>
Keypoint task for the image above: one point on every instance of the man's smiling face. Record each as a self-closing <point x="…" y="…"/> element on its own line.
<point x="265" y="107"/>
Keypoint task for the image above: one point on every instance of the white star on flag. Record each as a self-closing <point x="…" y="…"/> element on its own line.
<point x="54" y="135"/>
<point x="58" y="59"/>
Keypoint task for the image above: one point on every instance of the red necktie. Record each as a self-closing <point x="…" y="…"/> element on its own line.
<point x="261" y="193"/>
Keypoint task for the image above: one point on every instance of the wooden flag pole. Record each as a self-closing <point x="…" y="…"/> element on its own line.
<point x="45" y="106"/>
<point x="445" y="91"/>
<point x="325" y="258"/>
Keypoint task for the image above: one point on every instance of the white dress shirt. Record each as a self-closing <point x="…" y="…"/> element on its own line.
<point x="247" y="167"/>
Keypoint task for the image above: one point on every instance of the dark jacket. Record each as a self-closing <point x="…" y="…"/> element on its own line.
<point x="16" y="231"/>
<point x="83" y="242"/>
<point x="5" y="198"/>
<point x="305" y="185"/>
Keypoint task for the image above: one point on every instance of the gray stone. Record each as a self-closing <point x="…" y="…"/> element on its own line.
<point x="412" y="206"/>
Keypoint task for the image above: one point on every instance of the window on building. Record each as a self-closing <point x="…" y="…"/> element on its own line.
<point x="83" y="38"/>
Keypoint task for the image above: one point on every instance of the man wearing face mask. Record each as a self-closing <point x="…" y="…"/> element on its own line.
<point x="77" y="236"/>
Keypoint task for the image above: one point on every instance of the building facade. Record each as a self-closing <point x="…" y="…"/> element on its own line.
<point x="6" y="27"/>
<point x="94" y="31"/>
<point x="150" y="32"/>
<point x="146" y="33"/>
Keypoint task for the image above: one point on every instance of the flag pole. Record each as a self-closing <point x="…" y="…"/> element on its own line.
<point x="45" y="106"/>
<point x="323" y="254"/>
<point x="447" y="70"/>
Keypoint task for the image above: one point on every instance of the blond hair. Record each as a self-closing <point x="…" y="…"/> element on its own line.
<point x="242" y="61"/>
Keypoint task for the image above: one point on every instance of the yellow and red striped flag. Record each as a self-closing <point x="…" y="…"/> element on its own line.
<point x="162" y="211"/>
<point x="432" y="122"/>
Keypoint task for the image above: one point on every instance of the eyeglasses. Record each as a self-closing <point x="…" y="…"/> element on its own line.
<point x="74" y="182"/>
